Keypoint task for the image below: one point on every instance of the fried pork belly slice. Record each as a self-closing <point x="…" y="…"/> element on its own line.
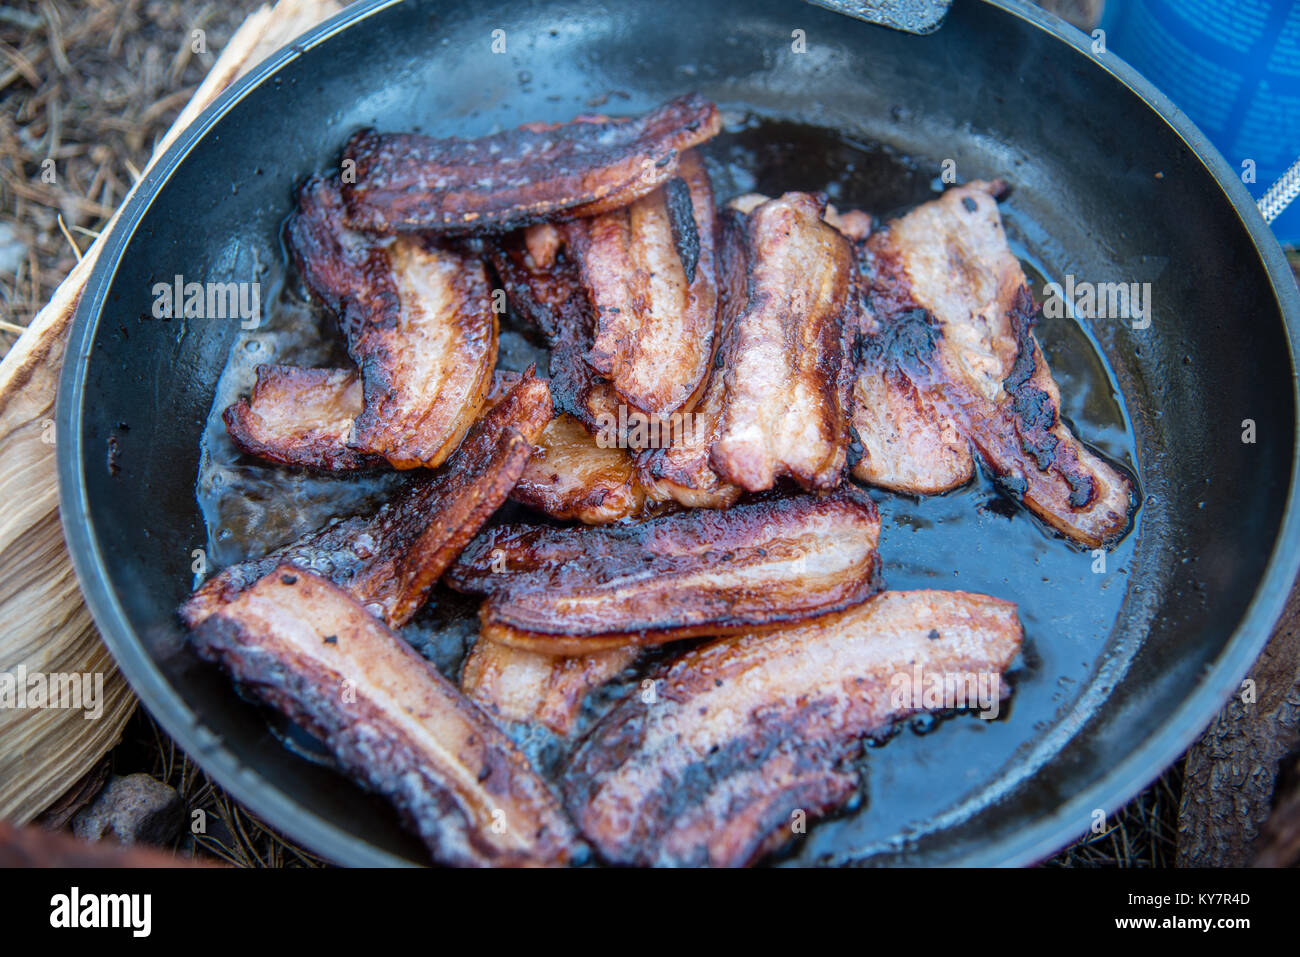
<point x="906" y="440"/>
<point x="946" y="266"/>
<point x="409" y="182"/>
<point x="855" y="224"/>
<point x="519" y="685"/>
<point x="681" y="470"/>
<point x="746" y="730"/>
<point x="571" y="477"/>
<point x="648" y="270"/>
<point x="418" y="321"/>
<point x="301" y="417"/>
<point x="549" y="294"/>
<point x="404" y="731"/>
<point x="757" y="565"/>
<point x="390" y="560"/>
<point x="901" y="438"/>
<point x="787" y="375"/>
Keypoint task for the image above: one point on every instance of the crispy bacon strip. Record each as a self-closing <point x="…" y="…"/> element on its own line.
<point x="900" y="437"/>
<point x="787" y="376"/>
<point x="943" y="280"/>
<point x="519" y="685"/>
<point x="301" y="417"/>
<point x="390" y="560"/>
<point x="571" y="477"/>
<point x="682" y="469"/>
<point x="408" y="182"/>
<point x="649" y="274"/>
<point x="755" y="566"/>
<point x="418" y="321"/>
<point x="744" y="731"/>
<point x="907" y="440"/>
<point x="307" y="648"/>
<point x="549" y="294"/>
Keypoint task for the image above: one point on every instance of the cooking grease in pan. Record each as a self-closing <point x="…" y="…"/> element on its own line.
<point x="971" y="539"/>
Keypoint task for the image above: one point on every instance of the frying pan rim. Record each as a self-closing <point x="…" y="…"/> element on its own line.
<point x="1035" y="840"/>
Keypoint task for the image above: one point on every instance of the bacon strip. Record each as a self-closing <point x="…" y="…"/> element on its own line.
<point x="787" y="377"/>
<point x="571" y="477"/>
<point x="418" y="321"/>
<point x="409" y="182"/>
<point x="755" y="566"/>
<point x="654" y="325"/>
<point x="907" y="440"/>
<point x="550" y="295"/>
<point x="308" y="648"/>
<point x="389" y="561"/>
<point x="942" y="281"/>
<point x="301" y="417"/>
<point x="519" y="685"/>
<point x="744" y="731"/>
<point x="682" y="470"/>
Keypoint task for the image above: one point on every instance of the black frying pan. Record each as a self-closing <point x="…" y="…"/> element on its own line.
<point x="1111" y="183"/>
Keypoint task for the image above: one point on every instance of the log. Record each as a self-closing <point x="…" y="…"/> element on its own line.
<point x="1232" y="771"/>
<point x="1280" y="840"/>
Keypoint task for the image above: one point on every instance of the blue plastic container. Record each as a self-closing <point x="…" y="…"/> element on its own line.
<point x="1234" y="67"/>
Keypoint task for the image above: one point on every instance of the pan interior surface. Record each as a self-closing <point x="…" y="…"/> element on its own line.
<point x="1103" y="191"/>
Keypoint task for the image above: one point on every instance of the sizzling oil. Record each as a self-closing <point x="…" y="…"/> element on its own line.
<point x="971" y="539"/>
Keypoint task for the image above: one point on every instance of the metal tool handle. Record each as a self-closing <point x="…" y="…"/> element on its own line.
<point x="1280" y="194"/>
<point x="910" y="16"/>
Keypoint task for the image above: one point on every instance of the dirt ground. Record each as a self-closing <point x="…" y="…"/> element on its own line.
<point x="92" y="85"/>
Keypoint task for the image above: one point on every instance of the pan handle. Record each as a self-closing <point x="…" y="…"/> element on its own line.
<point x="910" y="16"/>
<point x="1280" y="194"/>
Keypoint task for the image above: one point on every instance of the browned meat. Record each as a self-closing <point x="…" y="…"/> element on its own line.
<point x="908" y="441"/>
<point x="543" y="243"/>
<point x="301" y="417"/>
<point x="855" y="224"/>
<point x="649" y="274"/>
<point x="682" y="469"/>
<point x="787" y="376"/>
<point x="551" y="298"/>
<point x="519" y="685"/>
<point x="308" y="649"/>
<point x="418" y="321"/>
<point x="390" y="560"/>
<point x="744" y="731"/>
<point x="901" y="438"/>
<point x="409" y="182"/>
<point x="571" y="477"/>
<point x="956" y="317"/>
<point x="755" y="566"/>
